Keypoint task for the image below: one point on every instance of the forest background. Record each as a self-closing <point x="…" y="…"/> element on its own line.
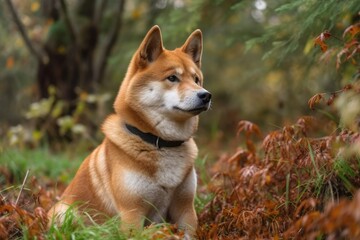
<point x="62" y="63"/>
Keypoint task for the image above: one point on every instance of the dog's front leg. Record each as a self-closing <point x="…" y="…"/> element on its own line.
<point x="182" y="211"/>
<point x="132" y="212"/>
<point x="131" y="220"/>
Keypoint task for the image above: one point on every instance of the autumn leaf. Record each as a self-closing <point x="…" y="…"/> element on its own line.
<point x="315" y="99"/>
<point x="331" y="99"/>
<point x="350" y="49"/>
<point x="339" y="57"/>
<point x="352" y="30"/>
<point x="320" y="40"/>
<point x="10" y="62"/>
<point x="356" y="49"/>
<point x="347" y="87"/>
<point x="136" y="14"/>
<point x="248" y="128"/>
<point x="35" y="6"/>
<point x="238" y="156"/>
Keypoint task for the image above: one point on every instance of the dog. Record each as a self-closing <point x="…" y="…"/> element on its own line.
<point x="143" y="170"/>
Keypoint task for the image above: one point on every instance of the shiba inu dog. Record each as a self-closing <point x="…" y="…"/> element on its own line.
<point x="144" y="168"/>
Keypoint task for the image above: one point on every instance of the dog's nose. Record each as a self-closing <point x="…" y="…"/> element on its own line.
<point x="205" y="96"/>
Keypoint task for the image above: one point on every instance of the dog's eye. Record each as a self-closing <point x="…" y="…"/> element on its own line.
<point x="173" y="78"/>
<point x="197" y="80"/>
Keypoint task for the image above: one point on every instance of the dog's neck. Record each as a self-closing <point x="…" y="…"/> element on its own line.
<point x="177" y="130"/>
<point x="152" y="139"/>
<point x="165" y="128"/>
<point x="172" y="130"/>
<point x="115" y="134"/>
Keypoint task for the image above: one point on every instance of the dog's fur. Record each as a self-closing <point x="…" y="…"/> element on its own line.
<point x="161" y="94"/>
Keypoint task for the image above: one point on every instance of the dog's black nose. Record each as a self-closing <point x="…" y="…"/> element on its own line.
<point x="205" y="96"/>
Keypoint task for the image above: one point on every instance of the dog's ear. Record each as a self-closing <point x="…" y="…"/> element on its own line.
<point x="152" y="46"/>
<point x="193" y="46"/>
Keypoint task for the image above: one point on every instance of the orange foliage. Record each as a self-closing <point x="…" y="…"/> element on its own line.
<point x="320" y="40"/>
<point x="29" y="213"/>
<point x="13" y="218"/>
<point x="271" y="194"/>
<point x="352" y="30"/>
<point x="10" y="62"/>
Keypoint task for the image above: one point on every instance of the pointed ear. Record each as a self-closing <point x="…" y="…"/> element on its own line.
<point x="152" y="46"/>
<point x="193" y="47"/>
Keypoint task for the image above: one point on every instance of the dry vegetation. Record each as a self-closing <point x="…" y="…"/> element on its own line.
<point x="292" y="188"/>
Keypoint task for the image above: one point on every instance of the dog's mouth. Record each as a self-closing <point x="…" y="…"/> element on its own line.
<point x="194" y="111"/>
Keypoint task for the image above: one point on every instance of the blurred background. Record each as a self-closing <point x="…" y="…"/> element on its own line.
<point x="62" y="62"/>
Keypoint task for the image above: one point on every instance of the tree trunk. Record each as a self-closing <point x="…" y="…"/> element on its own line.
<point x="67" y="60"/>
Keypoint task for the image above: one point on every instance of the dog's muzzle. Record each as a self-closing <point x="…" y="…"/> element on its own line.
<point x="204" y="102"/>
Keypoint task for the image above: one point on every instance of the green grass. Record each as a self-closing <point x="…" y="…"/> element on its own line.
<point x="201" y="199"/>
<point x="346" y="172"/>
<point x="40" y="162"/>
<point x="74" y="227"/>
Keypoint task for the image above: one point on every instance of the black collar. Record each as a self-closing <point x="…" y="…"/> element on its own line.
<point x="152" y="139"/>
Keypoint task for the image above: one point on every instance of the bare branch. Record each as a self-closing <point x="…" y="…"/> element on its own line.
<point x="109" y="43"/>
<point x="42" y="57"/>
<point x="22" y="187"/>
<point x="99" y="11"/>
<point x="68" y="23"/>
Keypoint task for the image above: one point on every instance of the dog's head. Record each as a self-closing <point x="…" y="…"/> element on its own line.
<point x="165" y="85"/>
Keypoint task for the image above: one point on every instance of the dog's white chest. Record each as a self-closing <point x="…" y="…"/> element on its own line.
<point x="158" y="190"/>
<point x="173" y="165"/>
<point x="171" y="170"/>
<point x="156" y="197"/>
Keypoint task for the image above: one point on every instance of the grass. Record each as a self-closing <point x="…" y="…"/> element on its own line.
<point x="346" y="171"/>
<point x="202" y="198"/>
<point x="75" y="227"/>
<point x="40" y="162"/>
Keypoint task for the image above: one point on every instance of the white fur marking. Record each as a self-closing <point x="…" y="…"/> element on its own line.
<point x="151" y="98"/>
<point x="158" y="107"/>
<point x="173" y="164"/>
<point x="192" y="71"/>
<point x="151" y="192"/>
<point x="179" y="71"/>
<point x="138" y="184"/>
<point x="171" y="98"/>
